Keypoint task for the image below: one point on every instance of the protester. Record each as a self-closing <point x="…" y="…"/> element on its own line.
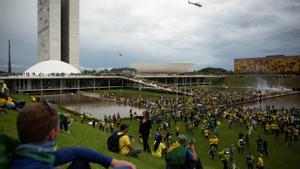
<point x="213" y="142"/>
<point x="126" y="148"/>
<point x="145" y="130"/>
<point x="265" y="148"/>
<point x="231" y="151"/>
<point x="225" y="157"/>
<point x="213" y="107"/>
<point x="179" y="156"/>
<point x="159" y="147"/>
<point x="260" y="162"/>
<point x="259" y="144"/>
<point x="241" y="145"/>
<point x="249" y="161"/>
<point x="38" y="129"/>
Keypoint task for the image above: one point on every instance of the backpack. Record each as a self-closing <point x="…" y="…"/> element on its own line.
<point x="7" y="149"/>
<point x="113" y="142"/>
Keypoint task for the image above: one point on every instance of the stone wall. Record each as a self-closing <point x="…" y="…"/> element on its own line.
<point x="268" y="64"/>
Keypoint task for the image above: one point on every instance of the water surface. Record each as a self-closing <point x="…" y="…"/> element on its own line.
<point x="98" y="108"/>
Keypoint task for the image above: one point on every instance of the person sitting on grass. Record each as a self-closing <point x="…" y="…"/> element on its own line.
<point x="260" y="162"/>
<point x="38" y="130"/>
<point x="159" y="147"/>
<point x="5" y="98"/>
<point x="125" y="145"/>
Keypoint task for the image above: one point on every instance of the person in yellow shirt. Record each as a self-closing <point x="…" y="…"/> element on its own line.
<point x="33" y="99"/>
<point x="159" y="147"/>
<point x="214" y="141"/>
<point x="5" y="99"/>
<point x="218" y="123"/>
<point x="125" y="145"/>
<point x="260" y="162"/>
<point x="206" y="133"/>
<point x="250" y="130"/>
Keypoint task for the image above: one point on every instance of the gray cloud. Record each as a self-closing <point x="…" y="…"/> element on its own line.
<point x="162" y="31"/>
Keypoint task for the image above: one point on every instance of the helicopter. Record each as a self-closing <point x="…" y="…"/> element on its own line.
<point x="196" y="3"/>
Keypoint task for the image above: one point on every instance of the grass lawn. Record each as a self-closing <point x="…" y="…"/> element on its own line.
<point x="85" y="135"/>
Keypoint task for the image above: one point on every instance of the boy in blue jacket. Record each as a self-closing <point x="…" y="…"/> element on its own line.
<point x="38" y="129"/>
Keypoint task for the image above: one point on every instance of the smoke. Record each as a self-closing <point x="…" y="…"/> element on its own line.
<point x="274" y="84"/>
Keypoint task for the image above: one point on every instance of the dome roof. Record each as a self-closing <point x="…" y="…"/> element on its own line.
<point x="52" y="66"/>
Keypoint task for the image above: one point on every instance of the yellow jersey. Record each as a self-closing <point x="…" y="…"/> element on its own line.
<point x="123" y="144"/>
<point x="158" y="152"/>
<point x="214" y="141"/>
<point x="260" y="162"/>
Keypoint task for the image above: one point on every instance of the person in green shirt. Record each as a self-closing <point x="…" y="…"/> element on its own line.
<point x="179" y="155"/>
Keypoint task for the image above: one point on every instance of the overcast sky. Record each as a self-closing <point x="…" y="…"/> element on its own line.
<point x="160" y="31"/>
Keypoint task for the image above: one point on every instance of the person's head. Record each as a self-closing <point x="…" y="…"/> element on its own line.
<point x="182" y="139"/>
<point x="38" y="122"/>
<point x="146" y="115"/>
<point x="124" y="127"/>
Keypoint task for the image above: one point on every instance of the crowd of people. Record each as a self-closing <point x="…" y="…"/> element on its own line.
<point x="203" y="112"/>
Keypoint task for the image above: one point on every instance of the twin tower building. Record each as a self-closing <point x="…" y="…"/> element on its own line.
<point x="58" y="31"/>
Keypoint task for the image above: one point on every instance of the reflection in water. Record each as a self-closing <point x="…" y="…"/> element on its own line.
<point x="279" y="102"/>
<point x="98" y="108"/>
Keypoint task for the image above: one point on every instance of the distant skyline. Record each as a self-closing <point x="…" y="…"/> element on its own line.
<point x="122" y="32"/>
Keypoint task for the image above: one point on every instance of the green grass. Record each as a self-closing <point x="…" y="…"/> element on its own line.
<point x="85" y="135"/>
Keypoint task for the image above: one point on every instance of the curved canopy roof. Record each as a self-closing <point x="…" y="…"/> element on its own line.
<point x="52" y="66"/>
<point x="163" y="67"/>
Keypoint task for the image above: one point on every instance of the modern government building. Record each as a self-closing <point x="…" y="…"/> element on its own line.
<point x="269" y="64"/>
<point x="57" y="69"/>
<point x="58" y="31"/>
